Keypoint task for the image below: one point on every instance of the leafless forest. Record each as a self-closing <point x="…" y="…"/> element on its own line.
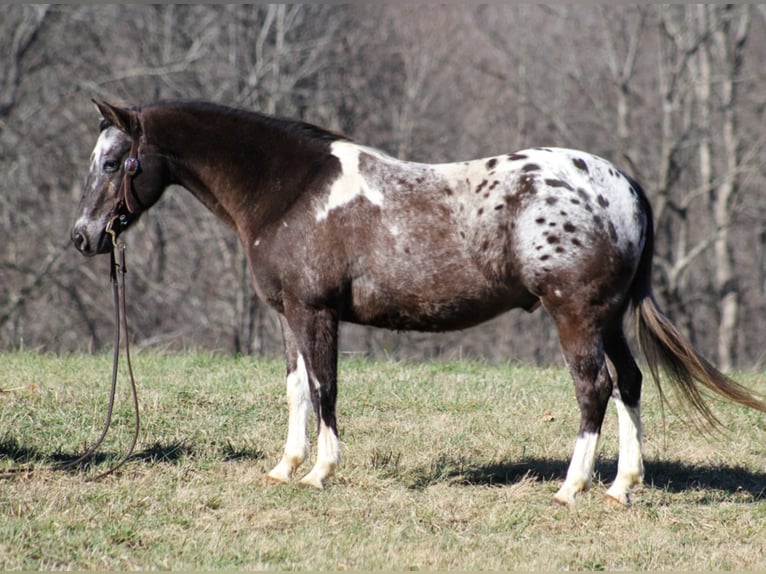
<point x="676" y="95"/>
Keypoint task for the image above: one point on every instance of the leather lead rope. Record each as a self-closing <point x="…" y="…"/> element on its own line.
<point x="117" y="274"/>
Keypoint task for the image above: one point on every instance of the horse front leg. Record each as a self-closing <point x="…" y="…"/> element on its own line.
<point x="315" y="334"/>
<point x="299" y="409"/>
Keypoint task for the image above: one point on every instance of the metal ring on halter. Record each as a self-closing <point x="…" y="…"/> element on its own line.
<point x="132" y="165"/>
<point x="108" y="229"/>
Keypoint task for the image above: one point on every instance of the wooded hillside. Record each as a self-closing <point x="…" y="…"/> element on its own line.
<point x="673" y="94"/>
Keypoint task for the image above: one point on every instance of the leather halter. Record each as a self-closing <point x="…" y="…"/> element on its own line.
<point x="131" y="167"/>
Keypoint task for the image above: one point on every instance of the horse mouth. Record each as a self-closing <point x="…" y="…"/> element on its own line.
<point x="90" y="245"/>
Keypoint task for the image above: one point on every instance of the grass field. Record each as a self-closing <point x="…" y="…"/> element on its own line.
<point x="448" y="466"/>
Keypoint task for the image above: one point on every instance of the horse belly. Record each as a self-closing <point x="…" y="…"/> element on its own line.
<point x="391" y="308"/>
<point x="430" y="286"/>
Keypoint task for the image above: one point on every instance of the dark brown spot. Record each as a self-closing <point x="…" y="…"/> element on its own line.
<point x="527" y="186"/>
<point x="569" y="227"/>
<point x="580" y="164"/>
<point x="574" y="201"/>
<point x="481" y="210"/>
<point x="560" y="249"/>
<point x="499" y="206"/>
<point x="550" y="200"/>
<point x="576" y="242"/>
<point x="583" y="194"/>
<point x="482" y="185"/>
<point x="545" y="257"/>
<point x="558" y="183"/>
<point x="603" y="201"/>
<point x="598" y="222"/>
<point x="612" y="232"/>
<point x="494" y="185"/>
<point x="540" y="220"/>
<point x="447" y="190"/>
<point x="530" y="167"/>
<point x="553" y="239"/>
<point x="491" y="163"/>
<point x="485" y="245"/>
<point x="516" y="156"/>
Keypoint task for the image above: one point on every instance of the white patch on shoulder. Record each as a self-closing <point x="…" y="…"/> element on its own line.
<point x="350" y="184"/>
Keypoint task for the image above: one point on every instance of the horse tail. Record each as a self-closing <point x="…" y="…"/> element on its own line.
<point x="666" y="349"/>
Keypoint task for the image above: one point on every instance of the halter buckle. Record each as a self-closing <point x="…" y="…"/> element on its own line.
<point x="132" y="165"/>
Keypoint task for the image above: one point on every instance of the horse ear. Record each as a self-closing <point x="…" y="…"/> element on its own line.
<point x="122" y="118"/>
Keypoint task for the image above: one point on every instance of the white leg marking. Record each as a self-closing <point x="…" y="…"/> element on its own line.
<point x="328" y="458"/>
<point x="580" y="470"/>
<point x="630" y="466"/>
<point x="299" y="405"/>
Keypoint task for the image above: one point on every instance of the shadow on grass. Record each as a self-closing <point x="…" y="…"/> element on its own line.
<point x="170" y="453"/>
<point x="671" y="476"/>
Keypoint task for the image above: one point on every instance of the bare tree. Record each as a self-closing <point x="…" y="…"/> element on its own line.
<point x="673" y="94"/>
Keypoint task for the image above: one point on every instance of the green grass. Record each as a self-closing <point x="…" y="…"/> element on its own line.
<point x="448" y="466"/>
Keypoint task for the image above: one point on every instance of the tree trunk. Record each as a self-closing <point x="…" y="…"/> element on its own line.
<point x="728" y="45"/>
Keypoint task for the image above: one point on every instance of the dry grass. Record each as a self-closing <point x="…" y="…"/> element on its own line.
<point x="448" y="466"/>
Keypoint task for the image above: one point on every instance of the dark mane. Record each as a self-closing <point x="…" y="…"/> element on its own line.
<point x="304" y="130"/>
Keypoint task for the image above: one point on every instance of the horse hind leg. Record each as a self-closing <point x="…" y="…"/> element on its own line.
<point x="583" y="351"/>
<point x="627" y="399"/>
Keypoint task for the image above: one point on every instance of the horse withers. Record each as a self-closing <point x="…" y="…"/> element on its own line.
<point x="337" y="231"/>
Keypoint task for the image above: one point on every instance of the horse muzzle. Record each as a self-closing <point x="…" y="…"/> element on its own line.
<point x="90" y="241"/>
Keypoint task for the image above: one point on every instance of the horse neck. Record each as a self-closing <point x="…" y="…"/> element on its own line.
<point x="246" y="169"/>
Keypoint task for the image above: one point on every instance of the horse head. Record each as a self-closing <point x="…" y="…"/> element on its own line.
<point x="125" y="179"/>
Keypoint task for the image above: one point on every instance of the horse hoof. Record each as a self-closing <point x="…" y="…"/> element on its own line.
<point x="312" y="481"/>
<point x="613" y="501"/>
<point x="273" y="481"/>
<point x="622" y="501"/>
<point x="277" y="475"/>
<point x="561" y="500"/>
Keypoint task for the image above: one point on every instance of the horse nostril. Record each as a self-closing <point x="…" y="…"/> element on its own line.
<point x="80" y="241"/>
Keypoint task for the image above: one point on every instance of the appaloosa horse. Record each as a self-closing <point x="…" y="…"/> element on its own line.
<point x="336" y="231"/>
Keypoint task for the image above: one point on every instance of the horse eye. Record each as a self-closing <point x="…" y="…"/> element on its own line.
<point x="111" y="165"/>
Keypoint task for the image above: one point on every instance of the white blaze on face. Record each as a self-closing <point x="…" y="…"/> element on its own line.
<point x="350" y="184"/>
<point x="108" y="141"/>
